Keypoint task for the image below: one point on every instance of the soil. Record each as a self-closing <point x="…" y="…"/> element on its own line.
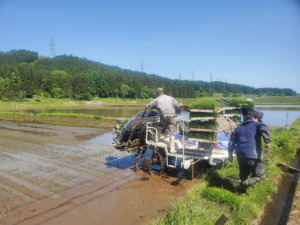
<point x="55" y="175"/>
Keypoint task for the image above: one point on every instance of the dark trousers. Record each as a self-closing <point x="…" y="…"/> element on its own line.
<point x="251" y="166"/>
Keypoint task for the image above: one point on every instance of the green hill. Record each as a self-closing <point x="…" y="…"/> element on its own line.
<point x="25" y="74"/>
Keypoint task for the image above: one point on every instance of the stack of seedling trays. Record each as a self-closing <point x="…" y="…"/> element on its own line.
<point x="203" y="126"/>
<point x="233" y="113"/>
<point x="243" y="106"/>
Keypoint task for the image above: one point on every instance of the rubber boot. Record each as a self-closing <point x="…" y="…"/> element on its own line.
<point x="251" y="181"/>
<point x="172" y="144"/>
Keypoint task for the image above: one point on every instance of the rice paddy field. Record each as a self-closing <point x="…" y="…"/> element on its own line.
<point x="54" y="174"/>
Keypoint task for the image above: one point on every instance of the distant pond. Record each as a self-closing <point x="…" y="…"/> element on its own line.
<point x="280" y="118"/>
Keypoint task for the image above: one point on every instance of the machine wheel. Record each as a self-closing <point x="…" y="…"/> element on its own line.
<point x="148" y="159"/>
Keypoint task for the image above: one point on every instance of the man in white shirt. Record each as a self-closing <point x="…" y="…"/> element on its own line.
<point x="166" y="106"/>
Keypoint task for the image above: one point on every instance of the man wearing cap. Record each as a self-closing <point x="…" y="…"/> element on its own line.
<point x="166" y="106"/>
<point x="246" y="141"/>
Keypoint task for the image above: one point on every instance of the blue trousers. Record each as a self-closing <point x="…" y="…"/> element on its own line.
<point x="251" y="166"/>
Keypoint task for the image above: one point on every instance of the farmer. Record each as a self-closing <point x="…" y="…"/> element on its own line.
<point x="166" y="106"/>
<point x="246" y="141"/>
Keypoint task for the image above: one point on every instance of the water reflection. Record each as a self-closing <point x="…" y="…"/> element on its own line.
<point x="106" y="139"/>
<point x="278" y="106"/>
<point x="271" y="117"/>
<point x="279" y="118"/>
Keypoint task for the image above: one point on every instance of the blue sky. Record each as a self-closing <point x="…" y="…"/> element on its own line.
<point x="250" y="42"/>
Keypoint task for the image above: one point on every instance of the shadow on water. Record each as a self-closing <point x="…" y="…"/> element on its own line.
<point x="127" y="162"/>
<point x="120" y="163"/>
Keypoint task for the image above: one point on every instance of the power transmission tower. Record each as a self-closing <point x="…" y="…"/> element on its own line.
<point x="142" y="66"/>
<point x="193" y="75"/>
<point x="52" y="46"/>
<point x="211" y="77"/>
<point x="179" y="76"/>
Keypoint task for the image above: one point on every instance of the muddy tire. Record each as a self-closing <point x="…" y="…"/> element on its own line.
<point x="149" y="158"/>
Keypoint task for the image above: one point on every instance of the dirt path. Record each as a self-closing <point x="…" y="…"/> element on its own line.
<point x="56" y="175"/>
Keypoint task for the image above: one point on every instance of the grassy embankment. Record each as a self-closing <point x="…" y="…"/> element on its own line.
<point x="214" y="196"/>
<point x="24" y="111"/>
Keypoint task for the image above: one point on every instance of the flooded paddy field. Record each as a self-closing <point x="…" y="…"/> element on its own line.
<point x="51" y="174"/>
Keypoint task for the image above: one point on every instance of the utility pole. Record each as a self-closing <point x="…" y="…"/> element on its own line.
<point x="287" y="116"/>
<point x="52" y="46"/>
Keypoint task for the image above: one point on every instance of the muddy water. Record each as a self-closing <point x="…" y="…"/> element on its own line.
<point x="277" y="211"/>
<point x="72" y="175"/>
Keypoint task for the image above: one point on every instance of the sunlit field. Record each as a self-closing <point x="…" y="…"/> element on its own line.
<point x="36" y="165"/>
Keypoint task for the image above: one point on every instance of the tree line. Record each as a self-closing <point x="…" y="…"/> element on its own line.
<point x="25" y="74"/>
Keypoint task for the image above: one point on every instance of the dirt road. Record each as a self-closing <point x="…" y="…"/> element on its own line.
<point x="56" y="175"/>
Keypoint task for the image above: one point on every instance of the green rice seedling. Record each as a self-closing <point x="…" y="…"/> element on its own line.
<point x="223" y="196"/>
<point x="204" y="104"/>
<point x="233" y="111"/>
<point x="246" y="104"/>
<point x="202" y="135"/>
<point x="236" y="119"/>
<point x="203" y="114"/>
<point x="209" y="124"/>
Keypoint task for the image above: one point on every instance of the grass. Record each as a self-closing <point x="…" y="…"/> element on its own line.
<point x="72" y="115"/>
<point x="70" y="119"/>
<point x="213" y="195"/>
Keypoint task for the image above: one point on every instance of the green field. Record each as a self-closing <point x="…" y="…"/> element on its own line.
<point x="213" y="196"/>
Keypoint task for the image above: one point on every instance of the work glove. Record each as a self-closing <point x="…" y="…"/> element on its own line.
<point x="268" y="148"/>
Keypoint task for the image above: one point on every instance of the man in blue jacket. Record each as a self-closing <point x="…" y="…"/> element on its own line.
<point x="246" y="141"/>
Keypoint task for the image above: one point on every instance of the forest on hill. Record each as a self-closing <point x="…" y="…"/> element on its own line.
<point x="26" y="74"/>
